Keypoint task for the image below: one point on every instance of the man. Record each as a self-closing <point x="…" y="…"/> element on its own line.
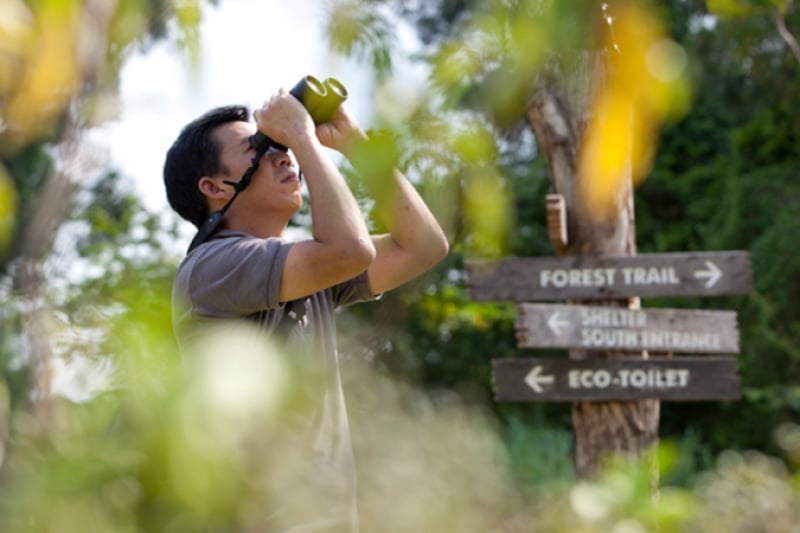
<point x="247" y="270"/>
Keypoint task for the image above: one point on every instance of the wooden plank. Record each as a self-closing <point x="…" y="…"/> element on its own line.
<point x="525" y="279"/>
<point x="615" y="328"/>
<point x="616" y="379"/>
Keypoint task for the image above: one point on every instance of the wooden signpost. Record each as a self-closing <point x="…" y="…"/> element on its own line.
<point x="526" y="279"/>
<point x="681" y="378"/>
<point x="614" y="328"/>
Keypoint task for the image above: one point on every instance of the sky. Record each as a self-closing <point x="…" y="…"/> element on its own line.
<point x="249" y="48"/>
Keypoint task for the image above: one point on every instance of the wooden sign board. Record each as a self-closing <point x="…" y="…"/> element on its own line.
<point x="616" y="379"/>
<point x="615" y="328"/>
<point x="526" y="279"/>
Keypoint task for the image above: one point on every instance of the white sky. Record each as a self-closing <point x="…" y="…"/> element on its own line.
<point x="249" y="49"/>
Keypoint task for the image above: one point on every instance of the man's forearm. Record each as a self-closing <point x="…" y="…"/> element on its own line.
<point x="402" y="210"/>
<point x="337" y="219"/>
<point x="407" y="218"/>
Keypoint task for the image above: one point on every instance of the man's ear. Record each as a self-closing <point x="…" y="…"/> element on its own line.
<point x="213" y="189"/>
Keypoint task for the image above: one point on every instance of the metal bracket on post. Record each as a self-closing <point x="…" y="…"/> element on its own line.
<point x="557" y="221"/>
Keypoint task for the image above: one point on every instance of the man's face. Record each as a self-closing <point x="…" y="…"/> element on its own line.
<point x="276" y="183"/>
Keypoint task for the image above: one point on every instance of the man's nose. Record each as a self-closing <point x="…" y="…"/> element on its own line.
<point x="282" y="159"/>
<point x="276" y="157"/>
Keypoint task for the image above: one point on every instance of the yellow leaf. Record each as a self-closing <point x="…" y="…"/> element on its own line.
<point x="646" y="85"/>
<point x="51" y="75"/>
<point x="8" y="209"/>
<point x="730" y="8"/>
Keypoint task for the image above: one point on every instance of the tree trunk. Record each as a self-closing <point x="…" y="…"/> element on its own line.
<point x="558" y="113"/>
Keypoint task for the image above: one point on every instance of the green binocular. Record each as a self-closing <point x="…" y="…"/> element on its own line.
<point x="320" y="98"/>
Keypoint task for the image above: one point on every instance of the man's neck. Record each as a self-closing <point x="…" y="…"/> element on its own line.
<point x="262" y="227"/>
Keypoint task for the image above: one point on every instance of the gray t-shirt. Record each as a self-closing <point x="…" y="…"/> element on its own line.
<point x="236" y="276"/>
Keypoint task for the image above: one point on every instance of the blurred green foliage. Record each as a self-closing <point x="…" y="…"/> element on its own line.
<point x="723" y="179"/>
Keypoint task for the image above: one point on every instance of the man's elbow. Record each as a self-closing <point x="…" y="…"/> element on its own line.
<point x="443" y="248"/>
<point x="359" y="255"/>
<point x="437" y="248"/>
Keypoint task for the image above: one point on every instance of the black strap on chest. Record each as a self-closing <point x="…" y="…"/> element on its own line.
<point x="293" y="313"/>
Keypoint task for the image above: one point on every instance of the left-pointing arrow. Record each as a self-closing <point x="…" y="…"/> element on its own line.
<point x="535" y="380"/>
<point x="555" y="323"/>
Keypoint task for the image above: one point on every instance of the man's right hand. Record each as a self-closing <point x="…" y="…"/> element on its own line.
<point x="285" y="120"/>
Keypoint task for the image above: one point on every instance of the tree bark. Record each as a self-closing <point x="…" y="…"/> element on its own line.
<point x="558" y="113"/>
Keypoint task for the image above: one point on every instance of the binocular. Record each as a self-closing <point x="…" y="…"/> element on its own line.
<point x="320" y="98"/>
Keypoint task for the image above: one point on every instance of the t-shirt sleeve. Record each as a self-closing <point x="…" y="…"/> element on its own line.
<point x="354" y="290"/>
<point x="236" y="277"/>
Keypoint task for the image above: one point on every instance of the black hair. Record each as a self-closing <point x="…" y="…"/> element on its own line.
<point x="194" y="154"/>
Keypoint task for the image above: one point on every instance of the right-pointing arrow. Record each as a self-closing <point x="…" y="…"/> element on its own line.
<point x="535" y="380"/>
<point x="713" y="273"/>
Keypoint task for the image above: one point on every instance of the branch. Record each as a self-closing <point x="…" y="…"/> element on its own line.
<point x="786" y="35"/>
